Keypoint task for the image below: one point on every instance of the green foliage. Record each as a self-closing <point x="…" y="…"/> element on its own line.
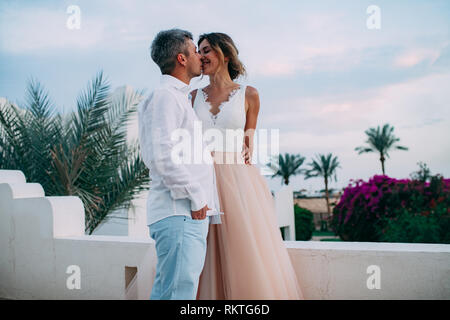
<point x="410" y="227"/>
<point x="391" y="210"/>
<point x="381" y="141"/>
<point x="323" y="166"/>
<point x="304" y="223"/>
<point x="425" y="219"/>
<point x="423" y="174"/>
<point x="84" y="153"/>
<point x="286" y="166"/>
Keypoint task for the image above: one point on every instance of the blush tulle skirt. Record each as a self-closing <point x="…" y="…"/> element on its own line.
<point x="246" y="258"/>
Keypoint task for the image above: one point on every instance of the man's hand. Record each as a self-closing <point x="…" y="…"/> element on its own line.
<point x="200" y="214"/>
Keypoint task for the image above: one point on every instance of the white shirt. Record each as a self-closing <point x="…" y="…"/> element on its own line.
<point x="175" y="188"/>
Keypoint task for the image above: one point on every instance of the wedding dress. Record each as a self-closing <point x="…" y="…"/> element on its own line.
<point x="246" y="257"/>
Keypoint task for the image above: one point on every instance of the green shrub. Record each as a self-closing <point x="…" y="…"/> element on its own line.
<point x="391" y="210"/>
<point x="304" y="223"/>
<point x="411" y="227"/>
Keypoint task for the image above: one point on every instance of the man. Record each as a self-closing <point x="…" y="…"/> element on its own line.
<point x="181" y="195"/>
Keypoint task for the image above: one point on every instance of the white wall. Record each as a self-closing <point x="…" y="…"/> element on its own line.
<point x="41" y="236"/>
<point x="284" y="207"/>
<point x="137" y="216"/>
<point x="339" y="270"/>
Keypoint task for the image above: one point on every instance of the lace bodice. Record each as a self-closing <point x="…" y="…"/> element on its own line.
<point x="229" y="120"/>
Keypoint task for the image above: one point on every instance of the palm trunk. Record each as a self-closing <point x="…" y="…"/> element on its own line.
<point x="382" y="162"/>
<point x="328" y="203"/>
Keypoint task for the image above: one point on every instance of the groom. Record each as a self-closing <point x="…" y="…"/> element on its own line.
<point x="180" y="194"/>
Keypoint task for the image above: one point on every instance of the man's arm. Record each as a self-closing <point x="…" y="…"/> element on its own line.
<point x="158" y="119"/>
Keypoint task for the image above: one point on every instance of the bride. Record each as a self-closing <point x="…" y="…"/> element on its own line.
<point x="246" y="257"/>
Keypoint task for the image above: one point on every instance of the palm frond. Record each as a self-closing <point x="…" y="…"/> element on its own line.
<point x="323" y="166"/>
<point x="84" y="153"/>
<point x="287" y="166"/>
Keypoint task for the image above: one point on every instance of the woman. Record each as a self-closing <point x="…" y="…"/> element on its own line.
<point x="246" y="257"/>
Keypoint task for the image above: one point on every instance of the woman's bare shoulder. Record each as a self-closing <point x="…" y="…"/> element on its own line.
<point x="251" y="95"/>
<point x="251" y="91"/>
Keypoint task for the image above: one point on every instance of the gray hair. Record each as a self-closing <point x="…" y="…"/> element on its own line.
<point x="167" y="45"/>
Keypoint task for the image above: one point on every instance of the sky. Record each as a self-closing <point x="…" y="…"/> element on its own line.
<point x="323" y="74"/>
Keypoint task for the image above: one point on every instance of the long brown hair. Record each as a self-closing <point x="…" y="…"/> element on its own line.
<point x="224" y="46"/>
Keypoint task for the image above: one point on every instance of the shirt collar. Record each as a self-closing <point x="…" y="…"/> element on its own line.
<point x="176" y="83"/>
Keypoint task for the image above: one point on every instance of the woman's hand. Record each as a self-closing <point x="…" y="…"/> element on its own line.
<point x="246" y="154"/>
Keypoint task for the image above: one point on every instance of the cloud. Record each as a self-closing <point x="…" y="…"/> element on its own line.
<point x="335" y="122"/>
<point x="30" y="30"/>
<point x="413" y="57"/>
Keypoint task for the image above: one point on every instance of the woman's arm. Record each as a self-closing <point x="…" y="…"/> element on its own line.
<point x="252" y="106"/>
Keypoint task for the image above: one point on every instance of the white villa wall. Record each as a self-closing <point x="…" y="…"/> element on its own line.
<point x="340" y="270"/>
<point x="284" y="208"/>
<point x="42" y="236"/>
<point x="137" y="217"/>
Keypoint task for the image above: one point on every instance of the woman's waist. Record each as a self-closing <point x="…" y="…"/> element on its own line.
<point x="227" y="157"/>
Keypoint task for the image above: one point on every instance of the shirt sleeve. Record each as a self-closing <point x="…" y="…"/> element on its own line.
<point x="159" y="116"/>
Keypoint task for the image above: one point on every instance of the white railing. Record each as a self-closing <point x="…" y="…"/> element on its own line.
<point x="371" y="270"/>
<point x="45" y="254"/>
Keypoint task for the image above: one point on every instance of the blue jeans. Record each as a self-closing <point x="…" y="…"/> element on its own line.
<point x="181" y="249"/>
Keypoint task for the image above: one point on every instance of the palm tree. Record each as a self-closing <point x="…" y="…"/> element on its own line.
<point x="423" y="174"/>
<point x="381" y="141"/>
<point x="84" y="153"/>
<point x="287" y="166"/>
<point x="323" y="166"/>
